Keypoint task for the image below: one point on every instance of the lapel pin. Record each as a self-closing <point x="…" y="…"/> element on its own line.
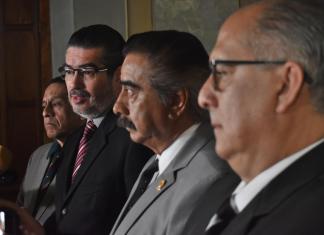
<point x="161" y="185"/>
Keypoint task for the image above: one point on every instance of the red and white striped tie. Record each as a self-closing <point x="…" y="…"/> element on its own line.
<point x="83" y="146"/>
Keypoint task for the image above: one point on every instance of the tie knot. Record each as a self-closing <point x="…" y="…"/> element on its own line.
<point x="89" y="129"/>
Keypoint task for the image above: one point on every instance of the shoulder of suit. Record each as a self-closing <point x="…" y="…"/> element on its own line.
<point x="41" y="151"/>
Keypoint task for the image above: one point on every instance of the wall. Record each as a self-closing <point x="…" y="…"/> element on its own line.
<point x="69" y="15"/>
<point x="200" y="17"/>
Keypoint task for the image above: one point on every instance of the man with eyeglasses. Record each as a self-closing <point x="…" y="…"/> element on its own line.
<point x="100" y="162"/>
<point x="265" y="97"/>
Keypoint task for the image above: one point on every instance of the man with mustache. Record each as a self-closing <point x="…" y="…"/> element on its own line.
<point x="161" y="76"/>
<point x="100" y="162"/>
<point x="37" y="191"/>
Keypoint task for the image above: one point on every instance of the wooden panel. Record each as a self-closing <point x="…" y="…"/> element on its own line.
<point x="21" y="66"/>
<point x="24" y="69"/>
<point x="3" y="127"/>
<point x="45" y="46"/>
<point x="19" y="11"/>
<point x="22" y="135"/>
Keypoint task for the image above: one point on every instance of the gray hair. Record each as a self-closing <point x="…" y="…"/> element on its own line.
<point x="294" y="30"/>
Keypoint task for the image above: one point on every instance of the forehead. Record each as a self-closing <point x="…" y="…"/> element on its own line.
<point x="55" y="90"/>
<point x="76" y="56"/>
<point x="136" y="66"/>
<point x="234" y="36"/>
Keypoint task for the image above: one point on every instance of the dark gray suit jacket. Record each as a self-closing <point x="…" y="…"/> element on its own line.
<point x="291" y="204"/>
<point x="35" y="171"/>
<point x="165" y="206"/>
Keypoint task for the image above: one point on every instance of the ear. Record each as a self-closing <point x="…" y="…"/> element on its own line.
<point x="291" y="86"/>
<point x="179" y="103"/>
<point x="116" y="82"/>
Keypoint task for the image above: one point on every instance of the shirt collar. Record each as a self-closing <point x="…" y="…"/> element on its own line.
<point x="169" y="153"/>
<point x="54" y="150"/>
<point x="245" y="192"/>
<point x="97" y="120"/>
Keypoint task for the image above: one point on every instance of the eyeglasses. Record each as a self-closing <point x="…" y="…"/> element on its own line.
<point x="87" y="73"/>
<point x="214" y="63"/>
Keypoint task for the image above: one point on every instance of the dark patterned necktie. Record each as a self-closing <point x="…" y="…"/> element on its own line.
<point x="143" y="183"/>
<point x="224" y="216"/>
<point x="83" y="146"/>
<point x="54" y="162"/>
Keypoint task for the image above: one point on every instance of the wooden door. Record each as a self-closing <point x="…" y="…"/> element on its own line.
<point x="24" y="69"/>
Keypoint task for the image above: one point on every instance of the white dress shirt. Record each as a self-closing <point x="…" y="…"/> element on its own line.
<point x="245" y="192"/>
<point x="168" y="154"/>
<point x="97" y="120"/>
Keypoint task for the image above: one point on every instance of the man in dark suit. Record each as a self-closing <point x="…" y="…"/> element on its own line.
<point x="100" y="162"/>
<point x="161" y="76"/>
<point x="38" y="188"/>
<point x="266" y="103"/>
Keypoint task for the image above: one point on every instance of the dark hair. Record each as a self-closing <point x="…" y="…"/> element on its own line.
<point x="56" y="80"/>
<point x="100" y="36"/>
<point x="178" y="60"/>
<point x="294" y="30"/>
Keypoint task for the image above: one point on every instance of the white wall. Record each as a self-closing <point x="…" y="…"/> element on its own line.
<point x="67" y="16"/>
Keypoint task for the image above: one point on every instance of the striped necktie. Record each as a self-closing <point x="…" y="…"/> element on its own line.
<point x="83" y="146"/>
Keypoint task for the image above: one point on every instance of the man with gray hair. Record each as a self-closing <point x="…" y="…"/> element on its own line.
<point x="265" y="97"/>
<point x="161" y="76"/>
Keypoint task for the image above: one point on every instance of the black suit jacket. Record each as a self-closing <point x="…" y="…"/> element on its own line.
<point x="291" y="204"/>
<point x="92" y="203"/>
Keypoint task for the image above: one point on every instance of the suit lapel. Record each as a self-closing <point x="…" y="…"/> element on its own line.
<point x="44" y="160"/>
<point x="165" y="181"/>
<point x="152" y="193"/>
<point x="282" y="187"/>
<point x="97" y="144"/>
<point x="46" y="202"/>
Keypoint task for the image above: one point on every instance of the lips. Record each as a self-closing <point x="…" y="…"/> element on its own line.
<point x="79" y="96"/>
<point x="50" y="124"/>
<point x="78" y="99"/>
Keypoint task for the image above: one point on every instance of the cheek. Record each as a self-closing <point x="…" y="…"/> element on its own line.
<point x="139" y="115"/>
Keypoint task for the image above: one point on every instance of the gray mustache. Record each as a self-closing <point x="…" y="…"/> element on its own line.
<point x="125" y="123"/>
<point x="81" y="93"/>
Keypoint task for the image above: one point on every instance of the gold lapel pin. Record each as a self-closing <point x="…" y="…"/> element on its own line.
<point x="161" y="185"/>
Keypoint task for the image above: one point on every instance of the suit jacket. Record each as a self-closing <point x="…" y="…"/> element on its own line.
<point x="209" y="202"/>
<point x="28" y="193"/>
<point x="92" y="203"/>
<point x="291" y="204"/>
<point x="167" y="203"/>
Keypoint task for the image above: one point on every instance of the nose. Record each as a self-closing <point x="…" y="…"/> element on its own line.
<point x="75" y="80"/>
<point x="48" y="111"/>
<point x="120" y="106"/>
<point x="207" y="96"/>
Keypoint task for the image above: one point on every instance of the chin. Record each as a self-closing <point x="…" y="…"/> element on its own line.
<point x="136" y="137"/>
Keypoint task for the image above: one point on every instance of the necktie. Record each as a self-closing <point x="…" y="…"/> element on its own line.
<point x="55" y="160"/>
<point x="83" y="146"/>
<point x="144" y="181"/>
<point x="223" y="218"/>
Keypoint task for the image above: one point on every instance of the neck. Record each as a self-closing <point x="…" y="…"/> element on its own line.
<point x="173" y="132"/>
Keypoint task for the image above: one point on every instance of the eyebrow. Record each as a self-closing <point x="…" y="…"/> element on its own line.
<point x="130" y="84"/>
<point x="93" y="65"/>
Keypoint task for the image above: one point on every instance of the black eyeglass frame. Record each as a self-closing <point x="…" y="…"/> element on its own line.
<point x="214" y="63"/>
<point x="80" y="71"/>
